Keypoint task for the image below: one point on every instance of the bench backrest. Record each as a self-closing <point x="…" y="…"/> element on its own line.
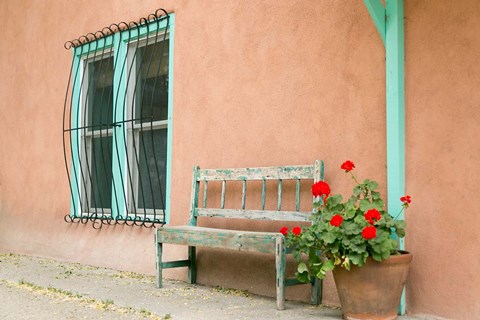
<point x="261" y="175"/>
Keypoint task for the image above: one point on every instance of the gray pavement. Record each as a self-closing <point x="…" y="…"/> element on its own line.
<point x="37" y="288"/>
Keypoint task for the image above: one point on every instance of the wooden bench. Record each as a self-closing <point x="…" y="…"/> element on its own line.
<point x="265" y="242"/>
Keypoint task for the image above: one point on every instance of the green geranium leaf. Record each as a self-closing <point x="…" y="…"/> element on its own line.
<point x="400" y="224"/>
<point x="303" y="277"/>
<point x="334" y="200"/>
<point x="378" y="204"/>
<point x="353" y="199"/>
<point x="349" y="213"/>
<point x="375" y="195"/>
<point x="359" y="248"/>
<point x="309" y="236"/>
<point x="400" y="232"/>
<point x="399" y="228"/>
<point x="321" y="274"/>
<point x="357" y="259"/>
<point x="358" y="190"/>
<point x="357" y="240"/>
<point x="386" y="255"/>
<point x="313" y="257"/>
<point x="351" y="228"/>
<point x="372" y="185"/>
<point x="393" y="245"/>
<point x="328" y="265"/>
<point x="376" y="256"/>
<point x="328" y="237"/>
<point x="338" y="208"/>
<point x="302" y="267"/>
<point x="365" y="205"/>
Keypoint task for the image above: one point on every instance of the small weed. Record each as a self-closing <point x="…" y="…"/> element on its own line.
<point x="144" y="312"/>
<point x="105" y="304"/>
<point x="230" y="291"/>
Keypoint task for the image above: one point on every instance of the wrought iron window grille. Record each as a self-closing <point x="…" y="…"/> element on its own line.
<point x="115" y="123"/>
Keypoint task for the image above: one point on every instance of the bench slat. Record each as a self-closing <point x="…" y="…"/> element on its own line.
<point x="224" y="186"/>
<point x="268" y="173"/>
<point x="244" y="193"/>
<point x="205" y="190"/>
<point x="279" y="199"/>
<point x="254" y="214"/>
<point x="263" y="242"/>
<point x="297" y="196"/>
<point x="264" y="191"/>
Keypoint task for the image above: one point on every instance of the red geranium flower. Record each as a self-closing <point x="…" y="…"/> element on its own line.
<point x="284" y="231"/>
<point x="369" y="232"/>
<point x="372" y="215"/>
<point x="296" y="230"/>
<point x="347" y="166"/>
<point x="406" y="200"/>
<point x="320" y="188"/>
<point x="336" y="220"/>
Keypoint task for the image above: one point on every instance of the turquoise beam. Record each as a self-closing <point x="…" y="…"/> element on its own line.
<point x="395" y="53"/>
<point x="168" y="190"/>
<point x="377" y="12"/>
<point x="395" y="57"/>
<point x="391" y="30"/>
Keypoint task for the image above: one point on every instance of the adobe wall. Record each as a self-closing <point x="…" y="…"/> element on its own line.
<point x="260" y="83"/>
<point x="442" y="153"/>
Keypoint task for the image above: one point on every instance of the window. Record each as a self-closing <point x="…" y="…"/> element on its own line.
<point x="119" y="122"/>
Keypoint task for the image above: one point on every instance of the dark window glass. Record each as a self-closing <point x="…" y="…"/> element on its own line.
<point x="152" y="168"/>
<point x="100" y="93"/>
<point x="151" y="95"/>
<point x="101" y="169"/>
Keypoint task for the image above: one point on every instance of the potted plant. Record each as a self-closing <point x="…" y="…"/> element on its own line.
<point x="357" y="240"/>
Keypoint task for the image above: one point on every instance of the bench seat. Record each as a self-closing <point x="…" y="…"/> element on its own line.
<point x="238" y="240"/>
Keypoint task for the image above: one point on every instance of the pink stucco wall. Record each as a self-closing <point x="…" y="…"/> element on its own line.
<point x="443" y="154"/>
<point x="260" y="83"/>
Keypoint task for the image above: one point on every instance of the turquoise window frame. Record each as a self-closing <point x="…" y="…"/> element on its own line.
<point x="118" y="43"/>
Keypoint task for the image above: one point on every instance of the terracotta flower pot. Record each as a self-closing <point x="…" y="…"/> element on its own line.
<point x="373" y="291"/>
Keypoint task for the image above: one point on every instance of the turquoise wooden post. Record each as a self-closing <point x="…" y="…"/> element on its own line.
<point x="170" y="114"/>
<point x="389" y="23"/>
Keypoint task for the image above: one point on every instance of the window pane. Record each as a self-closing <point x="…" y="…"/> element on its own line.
<point x="99" y="92"/>
<point x="151" y="97"/>
<point x="152" y="169"/>
<point x="101" y="171"/>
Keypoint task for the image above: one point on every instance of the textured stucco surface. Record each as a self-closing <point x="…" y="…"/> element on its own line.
<point x="443" y="154"/>
<point x="260" y="83"/>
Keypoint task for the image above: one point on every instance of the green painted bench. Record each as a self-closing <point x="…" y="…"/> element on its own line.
<point x="253" y="241"/>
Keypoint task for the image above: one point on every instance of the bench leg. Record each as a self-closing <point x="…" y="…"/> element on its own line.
<point x="280" y="262"/>
<point x="316" y="298"/>
<point x="159" y="263"/>
<point x="192" y="268"/>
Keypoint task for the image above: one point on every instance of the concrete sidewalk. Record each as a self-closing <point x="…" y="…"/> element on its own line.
<point x="37" y="288"/>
